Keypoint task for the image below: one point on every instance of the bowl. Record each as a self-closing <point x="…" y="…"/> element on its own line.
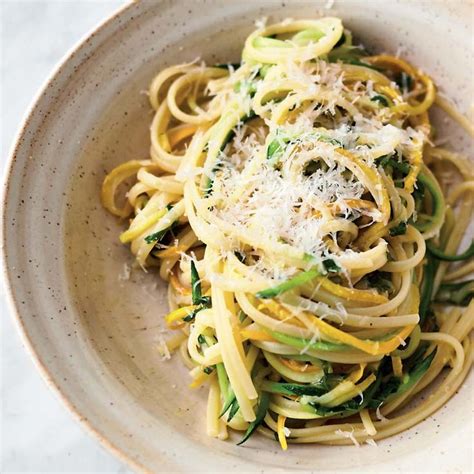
<point x="92" y="327"/>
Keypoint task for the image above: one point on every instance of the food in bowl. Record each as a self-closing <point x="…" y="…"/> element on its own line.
<point x="309" y="229"/>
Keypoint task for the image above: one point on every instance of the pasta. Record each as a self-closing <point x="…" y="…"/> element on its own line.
<point x="309" y="231"/>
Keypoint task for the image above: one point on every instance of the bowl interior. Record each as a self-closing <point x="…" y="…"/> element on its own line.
<point x="94" y="324"/>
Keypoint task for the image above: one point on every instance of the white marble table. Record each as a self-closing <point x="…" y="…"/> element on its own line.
<point x="37" y="432"/>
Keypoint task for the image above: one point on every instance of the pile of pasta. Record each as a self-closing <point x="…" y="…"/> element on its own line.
<point x="310" y="233"/>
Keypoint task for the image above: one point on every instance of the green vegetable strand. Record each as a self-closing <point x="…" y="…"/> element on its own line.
<point x="298" y="280"/>
<point x="301" y="343"/>
<point x="351" y="406"/>
<point x="440" y="255"/>
<point x="410" y="379"/>
<point x="429" y="182"/>
<point x="316" y="389"/>
<point x="458" y="294"/>
<point x="196" y="291"/>
<point x="158" y="236"/>
<point x="260" y="415"/>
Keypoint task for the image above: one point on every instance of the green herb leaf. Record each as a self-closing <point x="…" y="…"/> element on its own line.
<point x="195" y="284"/>
<point x="196" y="291"/>
<point x="276" y="147"/>
<point x="228" y="403"/>
<point x="404" y="82"/>
<point x="234" y="408"/>
<point x="317" y="389"/>
<point x="415" y="359"/>
<point x="260" y="415"/>
<point x="351" y="406"/>
<point x="395" y="386"/>
<point x="206" y="302"/>
<point x="381" y="281"/>
<point x="208" y="186"/>
<point x="399" y="229"/>
<point x="388" y="161"/>
<point x="415" y="375"/>
<point x="331" y="266"/>
<point x="386" y="389"/>
<point x="273" y="148"/>
<point x="240" y="256"/>
<point x="156" y="236"/>
<point x="380" y="99"/>
<point x="224" y="385"/>
<point x="190" y="317"/>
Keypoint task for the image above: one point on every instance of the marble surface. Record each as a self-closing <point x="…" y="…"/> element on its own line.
<point x="37" y="433"/>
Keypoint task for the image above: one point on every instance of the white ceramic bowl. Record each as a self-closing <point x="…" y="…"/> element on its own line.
<point x="92" y="333"/>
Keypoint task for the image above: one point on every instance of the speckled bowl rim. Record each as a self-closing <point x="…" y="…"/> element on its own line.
<point x="12" y="304"/>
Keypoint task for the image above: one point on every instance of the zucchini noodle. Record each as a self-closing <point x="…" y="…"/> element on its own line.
<point x="310" y="233"/>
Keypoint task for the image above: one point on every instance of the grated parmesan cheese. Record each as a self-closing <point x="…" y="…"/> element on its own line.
<point x="315" y="337"/>
<point x="282" y="207"/>
<point x="163" y="349"/>
<point x="379" y="415"/>
<point x="125" y="273"/>
<point x="261" y="22"/>
<point x="268" y="196"/>
<point x="349" y="435"/>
